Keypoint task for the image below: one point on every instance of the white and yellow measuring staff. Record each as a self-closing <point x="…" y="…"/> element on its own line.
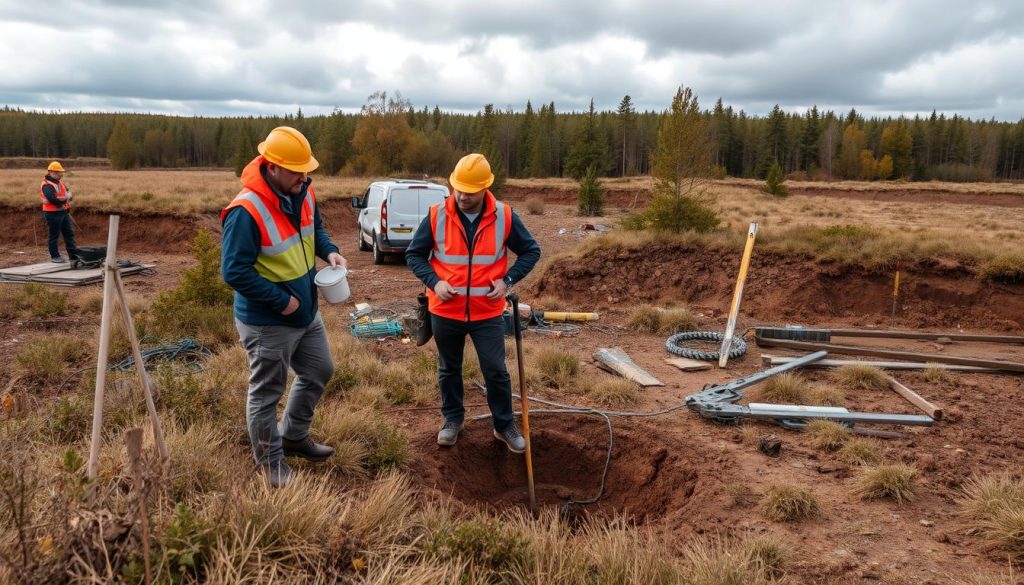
<point x="737" y="297"/>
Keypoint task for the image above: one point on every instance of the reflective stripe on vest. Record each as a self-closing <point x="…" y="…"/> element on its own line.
<point x="473" y="291"/>
<point x="61" y="196"/>
<point x="281" y="258"/>
<point x="499" y="240"/>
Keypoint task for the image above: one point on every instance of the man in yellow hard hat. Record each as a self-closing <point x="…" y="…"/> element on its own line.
<point x="56" y="198"/>
<point x="459" y="252"/>
<point x="272" y="236"/>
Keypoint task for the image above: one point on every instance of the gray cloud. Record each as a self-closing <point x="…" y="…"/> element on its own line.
<point x="194" y="56"/>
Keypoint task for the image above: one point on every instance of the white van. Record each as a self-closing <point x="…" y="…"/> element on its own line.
<point x="390" y="212"/>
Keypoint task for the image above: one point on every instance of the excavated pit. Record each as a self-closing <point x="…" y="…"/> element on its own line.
<point x="646" y="479"/>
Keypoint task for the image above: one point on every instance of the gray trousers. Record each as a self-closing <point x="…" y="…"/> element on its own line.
<point x="272" y="349"/>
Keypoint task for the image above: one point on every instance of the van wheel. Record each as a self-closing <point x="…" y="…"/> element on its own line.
<point x="363" y="246"/>
<point x="378" y="256"/>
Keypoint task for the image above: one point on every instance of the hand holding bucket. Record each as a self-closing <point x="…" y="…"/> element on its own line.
<point x="333" y="284"/>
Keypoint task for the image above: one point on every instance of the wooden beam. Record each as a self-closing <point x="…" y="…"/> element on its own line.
<point x="737" y="297"/>
<point x="109" y="291"/>
<point x="882" y="334"/>
<point x="772" y="360"/>
<point x="915" y="399"/>
<point x="889" y="353"/>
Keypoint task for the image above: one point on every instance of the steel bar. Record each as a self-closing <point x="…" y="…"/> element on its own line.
<point x="772" y="360"/>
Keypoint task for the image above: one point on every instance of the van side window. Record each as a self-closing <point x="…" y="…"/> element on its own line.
<point x="376" y="197"/>
<point x="366" y="198"/>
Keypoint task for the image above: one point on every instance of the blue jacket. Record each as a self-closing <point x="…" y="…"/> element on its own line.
<point x="259" y="301"/>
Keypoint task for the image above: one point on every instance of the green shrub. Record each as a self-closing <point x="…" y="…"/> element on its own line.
<point x="32" y="300"/>
<point x="483" y="543"/>
<point x="182" y="395"/>
<point x="670" y="214"/>
<point x="775" y="182"/>
<point x="590" y="197"/>
<point x="68" y="419"/>
<point x="1006" y="268"/>
<point x="47" y="358"/>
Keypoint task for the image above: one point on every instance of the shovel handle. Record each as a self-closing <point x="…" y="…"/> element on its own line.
<point x="517" y="327"/>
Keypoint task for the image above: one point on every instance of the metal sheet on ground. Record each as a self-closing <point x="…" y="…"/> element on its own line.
<point x="64" y="275"/>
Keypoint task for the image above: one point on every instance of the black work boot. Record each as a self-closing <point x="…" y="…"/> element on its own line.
<point x="306" y="449"/>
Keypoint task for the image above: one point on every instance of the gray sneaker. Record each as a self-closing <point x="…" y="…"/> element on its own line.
<point x="59" y="260"/>
<point x="512" y="438"/>
<point x="279" y="474"/>
<point x="449" y="433"/>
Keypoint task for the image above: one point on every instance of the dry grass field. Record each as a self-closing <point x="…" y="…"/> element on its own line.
<point x="685" y="501"/>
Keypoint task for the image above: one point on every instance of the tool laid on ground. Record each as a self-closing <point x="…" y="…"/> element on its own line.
<point x="717" y="403"/>
<point x="615" y="360"/>
<point x="514" y="299"/>
<point x="563" y="316"/>
<point x="895" y="294"/>
<point x="737" y="297"/>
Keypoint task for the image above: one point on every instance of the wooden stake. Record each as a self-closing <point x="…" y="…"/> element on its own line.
<point x="140" y="368"/>
<point x="104" y="349"/>
<point x="737" y="296"/>
<point x="525" y="404"/>
<point x="915" y="399"/>
<point x="133" y="442"/>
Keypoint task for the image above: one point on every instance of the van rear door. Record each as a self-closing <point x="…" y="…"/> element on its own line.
<point x="407" y="207"/>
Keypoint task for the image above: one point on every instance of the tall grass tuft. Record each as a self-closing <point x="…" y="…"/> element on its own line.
<point x="786" y="388"/>
<point x="826" y="434"/>
<point x="995" y="506"/>
<point x="790" y="503"/>
<point x="861" y="376"/>
<point x="888" y="482"/>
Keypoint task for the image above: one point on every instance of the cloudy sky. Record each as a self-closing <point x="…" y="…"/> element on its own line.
<point x="210" y="57"/>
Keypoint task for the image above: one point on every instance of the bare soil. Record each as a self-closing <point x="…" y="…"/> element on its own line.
<point x="678" y="474"/>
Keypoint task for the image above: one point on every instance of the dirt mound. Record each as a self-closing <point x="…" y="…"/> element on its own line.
<point x="784" y="287"/>
<point x="646" y="480"/>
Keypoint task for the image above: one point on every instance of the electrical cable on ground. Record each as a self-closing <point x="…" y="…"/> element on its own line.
<point x="186" y="351"/>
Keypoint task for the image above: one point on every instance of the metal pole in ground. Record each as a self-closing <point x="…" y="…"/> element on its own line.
<point x="518" y="328"/>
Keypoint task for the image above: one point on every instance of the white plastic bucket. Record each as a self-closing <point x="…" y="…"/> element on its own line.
<point x="333" y="284"/>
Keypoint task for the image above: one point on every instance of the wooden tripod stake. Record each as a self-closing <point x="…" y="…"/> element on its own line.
<point x="112" y="287"/>
<point x="737" y="297"/>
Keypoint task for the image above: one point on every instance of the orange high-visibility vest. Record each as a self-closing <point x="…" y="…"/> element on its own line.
<point x="285" y="253"/>
<point x="471" y="270"/>
<point x="62" y="195"/>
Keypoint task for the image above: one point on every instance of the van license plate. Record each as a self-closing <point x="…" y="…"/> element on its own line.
<point x="402" y="230"/>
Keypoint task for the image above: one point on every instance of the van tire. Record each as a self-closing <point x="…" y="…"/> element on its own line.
<point x="378" y="256"/>
<point x="363" y="246"/>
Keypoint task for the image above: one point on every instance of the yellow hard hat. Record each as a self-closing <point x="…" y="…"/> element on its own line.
<point x="287" y="147"/>
<point x="55" y="166"/>
<point x="472" y="174"/>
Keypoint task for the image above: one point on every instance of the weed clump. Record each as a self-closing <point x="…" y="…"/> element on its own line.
<point x="827" y="435"/>
<point x="861" y="376"/>
<point x="483" y="542"/>
<point x="535" y="205"/>
<point x="613" y="391"/>
<point x="557" y="366"/>
<point x="648" y="319"/>
<point x="1005" y="268"/>
<point x="790" y="503"/>
<point x="888" y="482"/>
<point x="861" y="451"/>
<point x="786" y="388"/>
<point x="995" y="505"/>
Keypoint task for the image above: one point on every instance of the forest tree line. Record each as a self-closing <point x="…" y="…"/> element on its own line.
<point x="390" y="136"/>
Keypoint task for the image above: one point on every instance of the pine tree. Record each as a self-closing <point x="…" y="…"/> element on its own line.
<point x="245" y="150"/>
<point x="122" y="149"/>
<point x="589" y="149"/>
<point x="525" y="141"/>
<point x="680" y="166"/>
<point x="775" y="182"/>
<point x="809" y="140"/>
<point x="590" y="197"/>
<point x="627" y="119"/>
<point x="487" y="145"/>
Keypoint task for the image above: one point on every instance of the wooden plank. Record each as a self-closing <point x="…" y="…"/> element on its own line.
<point x="737" y="297"/>
<point x="688" y="365"/>
<point x="106" y="316"/>
<point x="616" y="360"/>
<point x="771" y="360"/>
<point x="915" y="399"/>
<point x="888" y="353"/>
<point x="882" y="334"/>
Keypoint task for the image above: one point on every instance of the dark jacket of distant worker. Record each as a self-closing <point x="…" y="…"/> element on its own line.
<point x="272" y="236"/>
<point x="459" y="252"/>
<point x="56" y="198"/>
